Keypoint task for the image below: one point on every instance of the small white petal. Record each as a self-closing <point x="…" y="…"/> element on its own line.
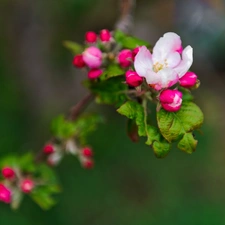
<point x="143" y="61"/>
<point x="186" y="62"/>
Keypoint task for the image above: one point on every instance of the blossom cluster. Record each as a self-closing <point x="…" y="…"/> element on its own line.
<point x="163" y="69"/>
<point x="14" y="180"/>
<point x="166" y="66"/>
<point x="54" y="153"/>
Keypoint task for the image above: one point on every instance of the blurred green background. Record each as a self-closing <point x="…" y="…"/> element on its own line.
<point x="128" y="186"/>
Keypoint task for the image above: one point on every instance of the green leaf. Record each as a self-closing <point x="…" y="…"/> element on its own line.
<point x="112" y="70"/>
<point x="129" y="41"/>
<point x="174" y="125"/>
<point x="134" y="111"/>
<point x="26" y="163"/>
<point x="43" y="198"/>
<point x="161" y="148"/>
<point x="62" y="128"/>
<point x="74" y="47"/>
<point x="85" y="125"/>
<point x="110" y="91"/>
<point x="187" y="144"/>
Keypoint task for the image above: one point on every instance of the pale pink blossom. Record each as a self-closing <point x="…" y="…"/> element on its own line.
<point x="92" y="56"/>
<point x="165" y="65"/>
<point x="171" y="100"/>
<point x="27" y="185"/>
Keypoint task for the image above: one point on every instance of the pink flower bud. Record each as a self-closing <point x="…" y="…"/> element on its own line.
<point x="48" y="149"/>
<point x="171" y="100"/>
<point x="87" y="152"/>
<point x="94" y="73"/>
<point x="135" y="52"/>
<point x="92" y="56"/>
<point x="125" y="58"/>
<point x="78" y="61"/>
<point x="133" y="79"/>
<point x="88" y="164"/>
<point x="90" y="37"/>
<point x="27" y="185"/>
<point x="188" y="80"/>
<point x="5" y="194"/>
<point x="8" y="173"/>
<point x="105" y="35"/>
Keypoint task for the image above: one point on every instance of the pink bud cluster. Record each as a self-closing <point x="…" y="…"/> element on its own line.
<point x="14" y="179"/>
<point x="92" y="56"/>
<point x="86" y="157"/>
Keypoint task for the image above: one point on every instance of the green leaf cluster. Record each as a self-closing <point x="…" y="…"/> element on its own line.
<point x="179" y="126"/>
<point x="81" y="128"/>
<point x="110" y="91"/>
<point x="134" y="111"/>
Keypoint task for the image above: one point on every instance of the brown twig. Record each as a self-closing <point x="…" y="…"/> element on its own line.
<point x="125" y="22"/>
<point x="80" y="106"/>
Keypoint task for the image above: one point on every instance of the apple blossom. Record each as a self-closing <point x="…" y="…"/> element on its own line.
<point x="92" y="56"/>
<point x="133" y="79"/>
<point x="90" y="37"/>
<point x="5" y="194"/>
<point x="94" y="73"/>
<point x="78" y="61"/>
<point x="87" y="152"/>
<point x="171" y="100"/>
<point x="105" y="35"/>
<point x="27" y="185"/>
<point x="88" y="163"/>
<point x="165" y="65"/>
<point x="48" y="149"/>
<point x="125" y="58"/>
<point x="8" y="172"/>
<point x="135" y="52"/>
<point x="188" y="80"/>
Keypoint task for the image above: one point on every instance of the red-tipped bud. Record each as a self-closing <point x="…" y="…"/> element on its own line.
<point x="48" y="149"/>
<point x="188" y="80"/>
<point x="94" y="73"/>
<point x="92" y="57"/>
<point x="8" y="173"/>
<point x="135" y="52"/>
<point x="27" y="185"/>
<point x="5" y="194"/>
<point x="105" y="35"/>
<point x="88" y="164"/>
<point x="78" y="61"/>
<point x="171" y="100"/>
<point x="90" y="37"/>
<point x="125" y="58"/>
<point x="133" y="79"/>
<point x="87" y="152"/>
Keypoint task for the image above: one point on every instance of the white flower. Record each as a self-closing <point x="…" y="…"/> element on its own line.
<point x="165" y="65"/>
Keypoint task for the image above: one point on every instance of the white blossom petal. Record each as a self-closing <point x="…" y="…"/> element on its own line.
<point x="169" y="43"/>
<point x="143" y="61"/>
<point x="186" y="62"/>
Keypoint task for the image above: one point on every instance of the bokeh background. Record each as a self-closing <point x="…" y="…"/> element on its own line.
<point x="128" y="186"/>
